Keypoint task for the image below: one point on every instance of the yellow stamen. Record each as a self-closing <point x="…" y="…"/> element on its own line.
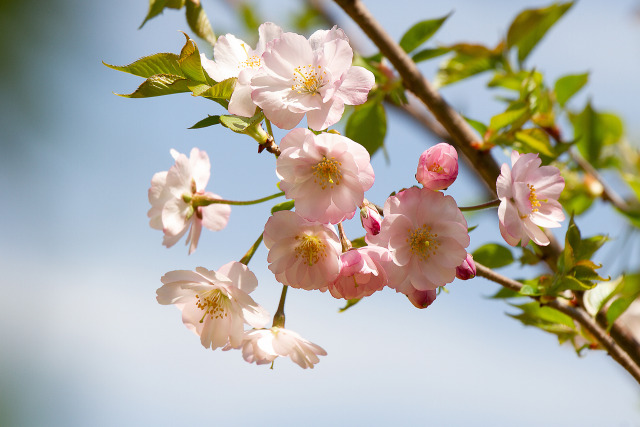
<point x="308" y="79"/>
<point x="214" y="303"/>
<point x="423" y="242"/>
<point x="310" y="248"/>
<point x="327" y="172"/>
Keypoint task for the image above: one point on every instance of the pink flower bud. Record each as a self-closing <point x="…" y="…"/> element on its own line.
<point x="370" y="218"/>
<point x="438" y="167"/>
<point x="422" y="299"/>
<point x="361" y="273"/>
<point x="466" y="270"/>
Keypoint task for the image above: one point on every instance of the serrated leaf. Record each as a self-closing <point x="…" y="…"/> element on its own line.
<point x="530" y="26"/>
<point x="493" y="255"/>
<point x="367" y="125"/>
<point x="199" y="22"/>
<point x="190" y="61"/>
<point x="284" y="206"/>
<point x="208" y="121"/>
<point x="350" y="303"/>
<point x="157" y="6"/>
<point x="147" y="66"/>
<point x="569" y="85"/>
<point x="158" y="85"/>
<point x="507" y="118"/>
<point x="222" y="90"/>
<point x="420" y="33"/>
<point x="427" y="54"/>
<point x="571" y="283"/>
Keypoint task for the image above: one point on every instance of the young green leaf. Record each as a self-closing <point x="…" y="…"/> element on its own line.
<point x="534" y="140"/>
<point x="159" y="63"/>
<point x="420" y="33"/>
<point x="627" y="292"/>
<point x="593" y="130"/>
<point x="158" y="85"/>
<point x="284" y="206"/>
<point x="157" y="6"/>
<point x="367" y="125"/>
<point x="507" y="118"/>
<point x="199" y="22"/>
<point x="493" y="255"/>
<point x="208" y="121"/>
<point x="530" y="26"/>
<point x="190" y="61"/>
<point x="547" y="319"/>
<point x="427" y="54"/>
<point x="567" y="86"/>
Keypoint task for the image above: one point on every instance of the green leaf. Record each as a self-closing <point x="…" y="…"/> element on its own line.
<point x="534" y="141"/>
<point x="479" y="127"/>
<point x="427" y="54"/>
<point x="507" y="118"/>
<point x="190" y="61"/>
<point x="595" y="299"/>
<point x="504" y="293"/>
<point x="359" y="242"/>
<point x="284" y="206"/>
<point x="571" y="283"/>
<point x="594" y="130"/>
<point x="367" y="125"/>
<point x="199" y="22"/>
<point x="350" y="303"/>
<point x="157" y="6"/>
<point x="158" y="85"/>
<point x="547" y="319"/>
<point x="240" y="124"/>
<point x="222" y="90"/>
<point x="530" y="26"/>
<point x="567" y="86"/>
<point x="208" y="121"/>
<point x="420" y="33"/>
<point x="160" y="63"/>
<point x="462" y="66"/>
<point x="249" y="18"/>
<point x="493" y="255"/>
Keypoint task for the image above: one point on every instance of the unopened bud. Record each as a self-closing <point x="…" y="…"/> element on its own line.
<point x="370" y="217"/>
<point x="466" y="270"/>
<point x="438" y="167"/>
<point x="422" y="299"/>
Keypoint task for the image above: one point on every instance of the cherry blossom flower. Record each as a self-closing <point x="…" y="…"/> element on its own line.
<point x="215" y="304"/>
<point x="466" y="270"/>
<point x="528" y="196"/>
<point x="370" y="218"/>
<point x="422" y="299"/>
<point x="438" y="167"/>
<point x="312" y="77"/>
<point x="261" y="346"/>
<point x="361" y="273"/>
<point x="326" y="174"/>
<point x="171" y="196"/>
<point x="426" y="234"/>
<point x="234" y="58"/>
<point x="302" y="254"/>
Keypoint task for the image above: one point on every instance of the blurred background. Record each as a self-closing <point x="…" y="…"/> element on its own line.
<point x="83" y="341"/>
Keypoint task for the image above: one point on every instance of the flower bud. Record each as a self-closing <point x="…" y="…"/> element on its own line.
<point x="438" y="167"/>
<point x="370" y="218"/>
<point x="422" y="299"/>
<point x="466" y="270"/>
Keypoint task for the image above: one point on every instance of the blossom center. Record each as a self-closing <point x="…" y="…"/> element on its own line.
<point x="252" y="62"/>
<point x="308" y="79"/>
<point x="436" y="168"/>
<point x="327" y="172"/>
<point x="423" y="242"/>
<point x="214" y="303"/>
<point x="310" y="248"/>
<point x="533" y="199"/>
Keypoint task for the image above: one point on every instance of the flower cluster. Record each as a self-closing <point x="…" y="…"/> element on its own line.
<point x="415" y="244"/>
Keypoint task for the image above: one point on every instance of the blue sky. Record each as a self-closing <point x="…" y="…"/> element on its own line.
<point x="84" y="341"/>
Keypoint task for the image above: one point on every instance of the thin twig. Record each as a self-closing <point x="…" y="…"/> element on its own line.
<point x="577" y="314"/>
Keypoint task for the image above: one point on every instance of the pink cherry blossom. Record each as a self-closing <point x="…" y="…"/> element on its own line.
<point x="361" y="273"/>
<point x="466" y="270"/>
<point x="171" y="194"/>
<point x="302" y="254"/>
<point x="326" y="174"/>
<point x="438" y="167"/>
<point x="312" y="77"/>
<point x="422" y="299"/>
<point x="215" y="304"/>
<point x="426" y="234"/>
<point x="370" y="218"/>
<point x="261" y="346"/>
<point x="234" y="58"/>
<point x="528" y="196"/>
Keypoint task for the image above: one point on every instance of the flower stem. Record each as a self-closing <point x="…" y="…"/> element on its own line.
<point x="346" y="243"/>
<point x="252" y="250"/>
<point x="203" y="200"/>
<point x="491" y="204"/>
<point x="278" y="318"/>
<point x="268" y="123"/>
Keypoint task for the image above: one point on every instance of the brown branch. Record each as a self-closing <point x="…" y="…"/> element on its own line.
<point x="577" y="314"/>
